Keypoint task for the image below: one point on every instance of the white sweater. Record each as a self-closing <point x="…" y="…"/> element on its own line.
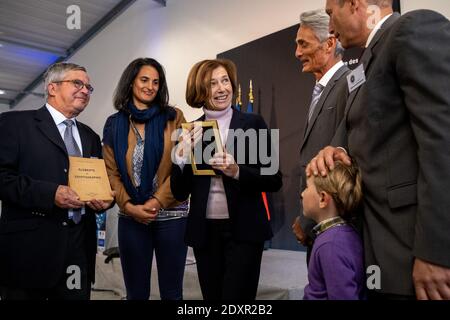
<point x="217" y="206"/>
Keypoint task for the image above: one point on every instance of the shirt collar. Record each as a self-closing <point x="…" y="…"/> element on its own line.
<point x="377" y="27"/>
<point x="57" y="116"/>
<point x="330" y="73"/>
<point x="324" y="225"/>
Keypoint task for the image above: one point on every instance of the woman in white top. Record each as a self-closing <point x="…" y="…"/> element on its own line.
<point x="227" y="223"/>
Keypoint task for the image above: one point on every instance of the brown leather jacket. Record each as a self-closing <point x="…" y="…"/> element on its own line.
<point x="163" y="194"/>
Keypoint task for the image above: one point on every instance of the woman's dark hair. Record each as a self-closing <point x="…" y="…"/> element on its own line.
<point x="124" y="91"/>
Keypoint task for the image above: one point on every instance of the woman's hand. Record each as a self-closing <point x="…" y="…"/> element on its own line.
<point x="188" y="139"/>
<point x="152" y="204"/>
<point x="225" y="162"/>
<point x="141" y="213"/>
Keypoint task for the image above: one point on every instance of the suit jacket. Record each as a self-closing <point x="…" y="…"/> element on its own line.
<point x="245" y="205"/>
<point x="33" y="231"/>
<point x="398" y="129"/>
<point x="320" y="130"/>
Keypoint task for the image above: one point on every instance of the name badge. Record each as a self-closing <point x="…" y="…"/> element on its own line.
<point x="356" y="78"/>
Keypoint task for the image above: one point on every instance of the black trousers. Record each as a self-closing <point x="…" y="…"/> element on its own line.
<point x="228" y="269"/>
<point x="73" y="284"/>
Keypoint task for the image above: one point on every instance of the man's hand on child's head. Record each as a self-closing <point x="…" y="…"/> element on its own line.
<point x="324" y="161"/>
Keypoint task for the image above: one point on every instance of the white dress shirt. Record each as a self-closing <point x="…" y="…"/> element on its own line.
<point x="59" y="119"/>
<point x="330" y="73"/>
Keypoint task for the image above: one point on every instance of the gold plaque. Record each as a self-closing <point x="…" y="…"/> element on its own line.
<point x="88" y="178"/>
<point x="211" y="143"/>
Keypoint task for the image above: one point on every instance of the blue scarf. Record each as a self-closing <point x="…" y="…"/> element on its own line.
<point x="115" y="135"/>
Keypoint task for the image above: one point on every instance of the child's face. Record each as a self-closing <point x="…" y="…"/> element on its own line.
<point x="310" y="199"/>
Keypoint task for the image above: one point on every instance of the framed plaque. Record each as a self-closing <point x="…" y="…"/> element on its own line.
<point x="203" y="151"/>
<point x="88" y="178"/>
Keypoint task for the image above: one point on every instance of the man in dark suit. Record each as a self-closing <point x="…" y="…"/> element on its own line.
<point x="321" y="55"/>
<point x="397" y="128"/>
<point x="47" y="236"/>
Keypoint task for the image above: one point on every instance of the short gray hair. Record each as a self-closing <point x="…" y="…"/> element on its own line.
<point x="319" y="22"/>
<point x="57" y="72"/>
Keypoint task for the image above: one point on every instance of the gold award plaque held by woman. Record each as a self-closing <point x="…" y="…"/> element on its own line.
<point x="204" y="151"/>
<point x="88" y="178"/>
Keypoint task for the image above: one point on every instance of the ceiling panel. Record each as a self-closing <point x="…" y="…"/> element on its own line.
<point x="43" y="22"/>
<point x="33" y="35"/>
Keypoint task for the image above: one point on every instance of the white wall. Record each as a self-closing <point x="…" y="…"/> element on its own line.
<point x="442" y="6"/>
<point x="178" y="36"/>
<point x="3" y="107"/>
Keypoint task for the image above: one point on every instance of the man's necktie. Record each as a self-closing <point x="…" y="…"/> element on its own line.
<point x="73" y="151"/>
<point x="315" y="98"/>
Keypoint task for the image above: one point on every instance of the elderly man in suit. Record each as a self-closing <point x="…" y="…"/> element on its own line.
<point x="47" y="235"/>
<point x="397" y="127"/>
<point x="321" y="54"/>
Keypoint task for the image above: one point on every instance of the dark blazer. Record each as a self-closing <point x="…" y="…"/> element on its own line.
<point x="246" y="208"/>
<point x="398" y="129"/>
<point x="33" y="231"/>
<point x="320" y="130"/>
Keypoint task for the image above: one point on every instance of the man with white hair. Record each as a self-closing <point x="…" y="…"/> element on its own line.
<point x="320" y="54"/>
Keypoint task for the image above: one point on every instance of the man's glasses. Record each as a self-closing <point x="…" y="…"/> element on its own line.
<point x="78" y="84"/>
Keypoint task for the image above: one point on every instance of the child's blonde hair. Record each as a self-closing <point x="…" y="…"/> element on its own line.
<point x="343" y="184"/>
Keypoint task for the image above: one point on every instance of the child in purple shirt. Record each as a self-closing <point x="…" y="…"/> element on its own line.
<point x="336" y="268"/>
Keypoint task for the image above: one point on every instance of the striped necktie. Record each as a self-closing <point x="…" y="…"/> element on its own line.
<point x="314" y="99"/>
<point x="73" y="151"/>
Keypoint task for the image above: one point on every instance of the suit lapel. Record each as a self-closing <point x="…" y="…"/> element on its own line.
<point x="235" y="123"/>
<point x="230" y="185"/>
<point x="236" y="118"/>
<point x="368" y="57"/>
<point x="366" y="60"/>
<point x="48" y="127"/>
<point x="326" y="91"/>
